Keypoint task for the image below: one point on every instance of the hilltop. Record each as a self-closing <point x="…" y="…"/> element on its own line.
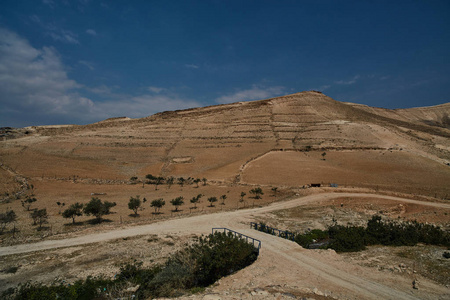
<point x="274" y="141"/>
<point x="367" y="161"/>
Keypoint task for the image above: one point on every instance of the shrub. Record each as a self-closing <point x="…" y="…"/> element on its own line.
<point x="347" y="238"/>
<point x="315" y="235"/>
<point x="190" y="269"/>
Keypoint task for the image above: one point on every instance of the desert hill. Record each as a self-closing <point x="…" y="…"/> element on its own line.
<point x="282" y="145"/>
<point x="276" y="141"/>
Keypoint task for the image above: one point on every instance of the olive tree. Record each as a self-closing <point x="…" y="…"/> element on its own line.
<point x="74" y="210"/>
<point x="158" y="204"/>
<point x="178" y="201"/>
<point x="6" y="218"/>
<point x="211" y="200"/>
<point x="98" y="208"/>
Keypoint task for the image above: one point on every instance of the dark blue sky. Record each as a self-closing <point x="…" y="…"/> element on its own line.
<point x="83" y="61"/>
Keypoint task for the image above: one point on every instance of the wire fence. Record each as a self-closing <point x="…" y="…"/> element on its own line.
<point x="249" y="239"/>
<point x="273" y="231"/>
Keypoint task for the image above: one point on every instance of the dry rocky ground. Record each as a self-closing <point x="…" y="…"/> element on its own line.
<point x="270" y="143"/>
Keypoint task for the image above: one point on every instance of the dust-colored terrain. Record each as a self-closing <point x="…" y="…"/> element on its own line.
<point x="287" y="142"/>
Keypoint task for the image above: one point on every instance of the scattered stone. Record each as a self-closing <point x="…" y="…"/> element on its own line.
<point x="317" y="292"/>
<point x="212" y="297"/>
<point x="415" y="284"/>
<point x="133" y="289"/>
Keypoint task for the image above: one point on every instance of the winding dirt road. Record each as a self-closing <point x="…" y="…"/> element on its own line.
<point x="280" y="261"/>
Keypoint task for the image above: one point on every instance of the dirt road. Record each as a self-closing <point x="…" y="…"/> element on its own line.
<point x="280" y="261"/>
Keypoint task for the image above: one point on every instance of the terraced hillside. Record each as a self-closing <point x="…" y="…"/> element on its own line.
<point x="227" y="142"/>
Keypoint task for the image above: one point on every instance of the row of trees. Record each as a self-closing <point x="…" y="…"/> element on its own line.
<point x="135" y="203"/>
<point x="159" y="180"/>
<point x="95" y="207"/>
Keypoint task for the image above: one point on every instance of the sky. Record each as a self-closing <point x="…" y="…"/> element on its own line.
<point x="82" y="61"/>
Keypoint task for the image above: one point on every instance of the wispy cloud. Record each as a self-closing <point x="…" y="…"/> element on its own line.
<point x="64" y="36"/>
<point x="155" y="89"/>
<point x="35" y="89"/>
<point x="191" y="66"/>
<point x="254" y="93"/>
<point x="141" y="106"/>
<point x="35" y="80"/>
<point x="58" y="34"/>
<point x="87" y="64"/>
<point x="50" y="3"/>
<point x="347" y="82"/>
<point x="91" y="32"/>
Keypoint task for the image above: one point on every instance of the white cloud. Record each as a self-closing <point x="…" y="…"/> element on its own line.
<point x="191" y="66"/>
<point x="58" y="34"/>
<point x="35" y="90"/>
<point x="64" y="36"/>
<point x="35" y="80"/>
<point x="87" y="64"/>
<point x="324" y="87"/>
<point x="156" y="89"/>
<point x="255" y="93"/>
<point x="347" y="82"/>
<point x="91" y="32"/>
<point x="50" y="3"/>
<point x="141" y="106"/>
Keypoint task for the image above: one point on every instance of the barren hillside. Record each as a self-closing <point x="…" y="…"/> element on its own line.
<point x="282" y="145"/>
<point x="224" y="143"/>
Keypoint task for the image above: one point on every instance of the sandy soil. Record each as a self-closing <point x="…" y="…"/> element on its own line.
<point x="290" y="266"/>
<point x="269" y="143"/>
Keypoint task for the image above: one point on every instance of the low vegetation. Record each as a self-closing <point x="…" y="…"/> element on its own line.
<point x="377" y="232"/>
<point x="187" y="271"/>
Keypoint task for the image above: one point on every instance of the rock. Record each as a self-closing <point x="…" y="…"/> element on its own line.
<point x="317" y="292"/>
<point x="212" y="297"/>
<point x="260" y="292"/>
<point x="133" y="289"/>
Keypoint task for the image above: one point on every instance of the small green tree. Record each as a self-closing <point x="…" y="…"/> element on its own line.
<point x="223" y="198"/>
<point x="211" y="200"/>
<point x="170" y="181"/>
<point x="195" y="200"/>
<point x="159" y="180"/>
<point x="60" y="205"/>
<point x="74" y="210"/>
<point x="134" y="204"/>
<point x="178" y="201"/>
<point x="28" y="202"/>
<point x="97" y="208"/>
<point x="181" y="181"/>
<point x="274" y="190"/>
<point x="196" y="181"/>
<point x="257" y="192"/>
<point x="204" y="181"/>
<point x="39" y="216"/>
<point x="242" y="196"/>
<point x="6" y="218"/>
<point x="157" y="204"/>
<point x="150" y="178"/>
<point x="323" y="155"/>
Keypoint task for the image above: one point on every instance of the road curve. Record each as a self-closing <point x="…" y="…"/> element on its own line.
<point x="276" y="252"/>
<point x="199" y="223"/>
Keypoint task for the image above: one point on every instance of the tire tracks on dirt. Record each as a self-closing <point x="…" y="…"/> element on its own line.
<point x="282" y="256"/>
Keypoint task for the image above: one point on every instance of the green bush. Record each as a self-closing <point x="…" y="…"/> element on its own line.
<point x="347" y="238"/>
<point x="190" y="269"/>
<point x="315" y="235"/>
